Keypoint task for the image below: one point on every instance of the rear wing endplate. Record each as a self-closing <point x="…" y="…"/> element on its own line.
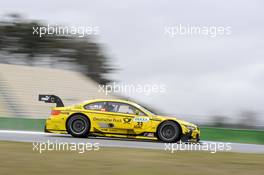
<point x="51" y="99"/>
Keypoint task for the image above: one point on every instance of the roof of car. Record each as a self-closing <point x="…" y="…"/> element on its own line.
<point x="110" y="100"/>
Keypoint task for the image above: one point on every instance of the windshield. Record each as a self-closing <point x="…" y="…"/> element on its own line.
<point x="144" y="108"/>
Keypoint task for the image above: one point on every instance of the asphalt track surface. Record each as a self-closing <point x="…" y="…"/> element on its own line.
<point x="28" y="136"/>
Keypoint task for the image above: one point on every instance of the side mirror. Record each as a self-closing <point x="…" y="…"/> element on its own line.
<point x="137" y="112"/>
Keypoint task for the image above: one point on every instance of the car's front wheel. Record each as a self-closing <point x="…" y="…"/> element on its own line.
<point x="78" y="126"/>
<point x="169" y="131"/>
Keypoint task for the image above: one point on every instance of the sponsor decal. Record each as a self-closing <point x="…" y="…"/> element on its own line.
<point x="104" y="129"/>
<point x="64" y="112"/>
<point x="127" y="120"/>
<point x="99" y="119"/>
<point x="141" y="119"/>
<point x="46" y="98"/>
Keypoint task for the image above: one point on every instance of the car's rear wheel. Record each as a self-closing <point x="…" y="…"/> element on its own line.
<point x="78" y="126"/>
<point x="169" y="131"/>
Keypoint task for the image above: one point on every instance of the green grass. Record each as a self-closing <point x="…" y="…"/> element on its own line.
<point x="19" y="158"/>
<point x="232" y="135"/>
<point x="207" y="133"/>
<point x="22" y="124"/>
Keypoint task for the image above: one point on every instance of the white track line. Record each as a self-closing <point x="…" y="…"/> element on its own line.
<point x="25" y="132"/>
<point x="43" y="133"/>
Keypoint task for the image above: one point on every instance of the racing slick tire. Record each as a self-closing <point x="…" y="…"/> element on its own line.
<point x="169" y="132"/>
<point x="78" y="126"/>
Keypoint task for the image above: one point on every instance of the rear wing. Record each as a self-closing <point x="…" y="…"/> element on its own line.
<point x="51" y="99"/>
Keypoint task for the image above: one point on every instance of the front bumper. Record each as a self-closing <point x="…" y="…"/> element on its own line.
<point x="191" y="136"/>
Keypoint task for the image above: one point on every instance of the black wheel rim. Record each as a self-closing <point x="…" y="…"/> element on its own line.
<point x="78" y="126"/>
<point x="168" y="132"/>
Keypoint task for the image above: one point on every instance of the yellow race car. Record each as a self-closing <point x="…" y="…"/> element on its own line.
<point x="116" y="118"/>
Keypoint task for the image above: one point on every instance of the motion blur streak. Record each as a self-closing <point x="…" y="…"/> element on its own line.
<point x="24" y="136"/>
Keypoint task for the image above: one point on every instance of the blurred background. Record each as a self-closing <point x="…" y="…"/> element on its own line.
<point x="212" y="81"/>
<point x="72" y="49"/>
